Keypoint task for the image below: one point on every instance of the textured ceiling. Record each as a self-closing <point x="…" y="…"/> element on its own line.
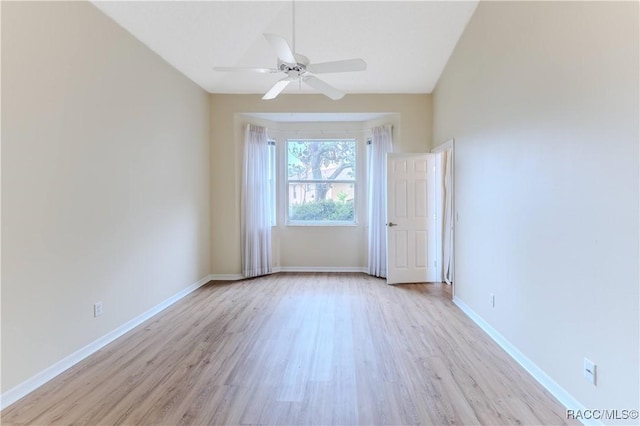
<point x="406" y="44"/>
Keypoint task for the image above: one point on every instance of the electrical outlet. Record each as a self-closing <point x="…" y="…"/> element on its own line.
<point x="97" y="309"/>
<point x="492" y="300"/>
<point x="590" y="371"/>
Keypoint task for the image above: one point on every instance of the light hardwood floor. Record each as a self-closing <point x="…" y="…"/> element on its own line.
<point x="298" y="349"/>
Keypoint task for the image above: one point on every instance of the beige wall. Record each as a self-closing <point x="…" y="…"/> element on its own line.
<point x="542" y="100"/>
<point x="105" y="181"/>
<point x="335" y="247"/>
<point x="321" y="246"/>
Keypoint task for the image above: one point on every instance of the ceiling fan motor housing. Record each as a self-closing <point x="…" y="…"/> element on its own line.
<point x="300" y="67"/>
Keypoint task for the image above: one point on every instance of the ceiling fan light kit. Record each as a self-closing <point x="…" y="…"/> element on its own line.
<point x="298" y="67"/>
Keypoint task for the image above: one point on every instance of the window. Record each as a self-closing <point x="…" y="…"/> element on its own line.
<point x="272" y="180"/>
<point x="321" y="181"/>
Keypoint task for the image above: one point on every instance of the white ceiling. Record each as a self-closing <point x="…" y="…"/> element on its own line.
<point x="406" y="44"/>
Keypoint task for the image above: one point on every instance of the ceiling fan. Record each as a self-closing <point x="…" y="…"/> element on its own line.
<point x="298" y="67"/>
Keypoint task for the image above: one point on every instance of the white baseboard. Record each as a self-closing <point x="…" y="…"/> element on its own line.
<point x="556" y="390"/>
<point x="31" y="384"/>
<point x="320" y="269"/>
<point x="276" y="269"/>
<point x="226" y="277"/>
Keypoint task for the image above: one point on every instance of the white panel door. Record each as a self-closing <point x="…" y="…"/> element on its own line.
<point x="411" y="243"/>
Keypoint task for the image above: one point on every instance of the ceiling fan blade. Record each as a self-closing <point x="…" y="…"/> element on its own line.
<point x="324" y="88"/>
<point x="347" y="65"/>
<point x="241" y="69"/>
<point x="281" y="48"/>
<point x="277" y="88"/>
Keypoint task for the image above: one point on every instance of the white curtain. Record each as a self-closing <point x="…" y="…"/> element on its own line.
<point x="381" y="144"/>
<point x="447" y="222"/>
<point x="255" y="204"/>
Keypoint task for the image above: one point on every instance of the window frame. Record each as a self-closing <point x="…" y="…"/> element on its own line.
<point x="354" y="182"/>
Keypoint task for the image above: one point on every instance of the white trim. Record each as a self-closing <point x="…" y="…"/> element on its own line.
<point x="549" y="384"/>
<point x="277" y="269"/>
<point x="226" y="277"/>
<point x="303" y="223"/>
<point x="448" y="144"/>
<point x="438" y="217"/>
<point x="39" y="379"/>
<point x="321" y="269"/>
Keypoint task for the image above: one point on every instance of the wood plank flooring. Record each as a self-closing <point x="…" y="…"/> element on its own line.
<point x="298" y="349"/>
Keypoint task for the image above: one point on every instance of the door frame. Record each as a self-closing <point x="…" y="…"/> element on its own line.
<point x="450" y="144"/>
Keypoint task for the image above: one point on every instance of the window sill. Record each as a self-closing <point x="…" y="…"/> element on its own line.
<point x="322" y="224"/>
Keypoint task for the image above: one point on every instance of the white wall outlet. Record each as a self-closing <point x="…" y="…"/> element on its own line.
<point x="97" y="309"/>
<point x="492" y="300"/>
<point x="590" y="371"/>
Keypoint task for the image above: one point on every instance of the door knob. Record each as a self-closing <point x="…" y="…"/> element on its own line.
<point x="392" y="224"/>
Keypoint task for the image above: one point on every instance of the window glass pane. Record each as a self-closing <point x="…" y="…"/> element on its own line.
<point x="321" y="180"/>
<point x="321" y="159"/>
<point x="320" y="202"/>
